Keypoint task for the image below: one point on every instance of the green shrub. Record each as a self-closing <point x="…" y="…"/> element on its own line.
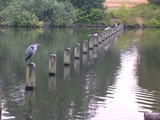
<point x="146" y="14"/>
<point x="153" y="23"/>
<point x="123" y="14"/>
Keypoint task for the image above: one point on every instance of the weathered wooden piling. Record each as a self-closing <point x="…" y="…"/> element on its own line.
<point x="52" y="64"/>
<point x="151" y="116"/>
<point x="91" y="43"/>
<point x="100" y="38"/>
<point x="85" y="46"/>
<point x="67" y="56"/>
<point x="30" y="76"/>
<point x="107" y="33"/>
<point x="77" y="51"/>
<point x="103" y="36"/>
<point x="96" y="41"/>
<point x="100" y="46"/>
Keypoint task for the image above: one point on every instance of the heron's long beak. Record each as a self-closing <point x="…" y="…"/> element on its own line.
<point x="38" y="44"/>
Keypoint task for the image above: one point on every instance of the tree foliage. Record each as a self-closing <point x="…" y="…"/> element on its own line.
<point x="89" y="11"/>
<point x="30" y="12"/>
<point x="52" y="12"/>
<point x="58" y="13"/>
<point x="157" y="2"/>
<point x="94" y="16"/>
<point x="15" y="15"/>
<point x="87" y="5"/>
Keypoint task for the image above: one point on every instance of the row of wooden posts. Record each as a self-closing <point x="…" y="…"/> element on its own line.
<point x="94" y="40"/>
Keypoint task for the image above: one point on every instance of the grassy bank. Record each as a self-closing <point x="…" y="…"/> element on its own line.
<point x="144" y="15"/>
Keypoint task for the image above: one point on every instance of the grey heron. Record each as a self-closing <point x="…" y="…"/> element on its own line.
<point x="31" y="50"/>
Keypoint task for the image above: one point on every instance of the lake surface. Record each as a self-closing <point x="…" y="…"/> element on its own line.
<point x="122" y="83"/>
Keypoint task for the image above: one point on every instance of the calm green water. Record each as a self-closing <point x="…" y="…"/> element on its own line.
<point x="121" y="83"/>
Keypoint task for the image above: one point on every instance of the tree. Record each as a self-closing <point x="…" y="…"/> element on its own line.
<point x="86" y="5"/>
<point x="58" y="13"/>
<point x="157" y="2"/>
<point x="93" y="17"/>
<point x="15" y="15"/>
<point x="4" y="3"/>
<point x="30" y="12"/>
<point x="89" y="11"/>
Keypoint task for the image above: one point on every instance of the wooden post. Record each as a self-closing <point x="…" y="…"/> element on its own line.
<point x="91" y="43"/>
<point x="85" y="46"/>
<point x="100" y="46"/>
<point x="96" y="41"/>
<point x="77" y="51"/>
<point x="100" y="38"/>
<point x="107" y="33"/>
<point x="52" y="64"/>
<point x="30" y="76"/>
<point x="103" y="36"/>
<point x="106" y="42"/>
<point x="67" y="56"/>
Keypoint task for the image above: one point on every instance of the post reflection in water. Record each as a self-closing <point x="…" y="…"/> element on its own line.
<point x="66" y="74"/>
<point x="100" y="46"/>
<point x="77" y="66"/>
<point x="91" y="54"/>
<point x="95" y="52"/>
<point x="52" y="84"/>
<point x="85" y="59"/>
<point x="30" y="104"/>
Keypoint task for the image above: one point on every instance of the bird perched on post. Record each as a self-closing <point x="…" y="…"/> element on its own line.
<point x="30" y="51"/>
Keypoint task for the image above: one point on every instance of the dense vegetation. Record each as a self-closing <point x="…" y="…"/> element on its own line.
<point x="44" y="13"/>
<point x="50" y="12"/>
